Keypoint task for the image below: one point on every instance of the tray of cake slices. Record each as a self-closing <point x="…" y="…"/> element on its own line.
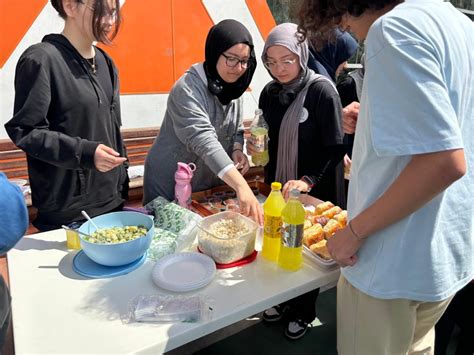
<point x="321" y="223"/>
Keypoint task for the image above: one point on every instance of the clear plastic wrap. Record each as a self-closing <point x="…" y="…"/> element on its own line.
<point x="162" y="309"/>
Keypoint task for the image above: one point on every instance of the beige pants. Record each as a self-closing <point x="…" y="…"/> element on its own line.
<point x="373" y="326"/>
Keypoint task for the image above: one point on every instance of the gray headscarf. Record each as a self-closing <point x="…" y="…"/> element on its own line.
<point x="286" y="35"/>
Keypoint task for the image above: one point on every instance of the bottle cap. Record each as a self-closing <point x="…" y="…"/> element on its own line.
<point x="276" y="185"/>
<point x="184" y="171"/>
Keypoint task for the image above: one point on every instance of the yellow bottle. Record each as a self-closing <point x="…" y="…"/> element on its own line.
<point x="272" y="223"/>
<point x="291" y="250"/>
<point x="259" y="134"/>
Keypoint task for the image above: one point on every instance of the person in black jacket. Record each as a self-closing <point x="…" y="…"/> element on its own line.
<point x="67" y="117"/>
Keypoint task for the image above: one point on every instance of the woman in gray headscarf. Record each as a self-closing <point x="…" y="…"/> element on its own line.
<point x="304" y="115"/>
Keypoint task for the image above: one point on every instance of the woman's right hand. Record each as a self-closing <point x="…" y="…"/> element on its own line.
<point x="105" y="158"/>
<point x="249" y="205"/>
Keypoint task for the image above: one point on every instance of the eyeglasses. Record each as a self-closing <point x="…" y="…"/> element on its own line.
<point x="112" y="14"/>
<point x="233" y="61"/>
<point x="284" y="64"/>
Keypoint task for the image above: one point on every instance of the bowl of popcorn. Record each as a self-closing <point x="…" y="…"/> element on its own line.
<point x="227" y="236"/>
<point x="121" y="237"/>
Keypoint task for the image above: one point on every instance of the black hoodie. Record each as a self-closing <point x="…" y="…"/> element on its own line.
<point x="61" y="115"/>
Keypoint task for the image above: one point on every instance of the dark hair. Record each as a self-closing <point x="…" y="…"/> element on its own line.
<point x="101" y="10"/>
<point x="319" y="18"/>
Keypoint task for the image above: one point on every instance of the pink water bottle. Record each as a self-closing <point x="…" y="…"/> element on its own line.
<point x="182" y="188"/>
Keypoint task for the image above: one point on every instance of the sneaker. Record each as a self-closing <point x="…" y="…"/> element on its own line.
<point x="296" y="329"/>
<point x="273" y="314"/>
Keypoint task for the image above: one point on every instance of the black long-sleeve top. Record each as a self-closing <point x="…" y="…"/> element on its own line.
<point x="62" y="113"/>
<point x="320" y="138"/>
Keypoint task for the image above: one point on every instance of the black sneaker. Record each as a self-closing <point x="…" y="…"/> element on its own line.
<point x="296" y="329"/>
<point x="273" y="314"/>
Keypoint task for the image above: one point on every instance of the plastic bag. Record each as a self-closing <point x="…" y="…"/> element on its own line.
<point x="174" y="228"/>
<point x="163" y="243"/>
<point x="172" y="217"/>
<point x="155" y="309"/>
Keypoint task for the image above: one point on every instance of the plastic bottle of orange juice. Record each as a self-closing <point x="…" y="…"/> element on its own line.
<point x="291" y="250"/>
<point x="272" y="223"/>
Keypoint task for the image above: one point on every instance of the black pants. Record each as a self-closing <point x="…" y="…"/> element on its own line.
<point x="460" y="312"/>
<point x="302" y="307"/>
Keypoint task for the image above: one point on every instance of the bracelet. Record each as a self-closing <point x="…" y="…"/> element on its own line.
<point x="358" y="237"/>
<point x="235" y="149"/>
<point x="308" y="181"/>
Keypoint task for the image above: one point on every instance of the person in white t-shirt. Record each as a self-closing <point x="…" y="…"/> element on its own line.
<point x="409" y="245"/>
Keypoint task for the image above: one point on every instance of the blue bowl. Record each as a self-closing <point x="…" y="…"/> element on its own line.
<point x="120" y="253"/>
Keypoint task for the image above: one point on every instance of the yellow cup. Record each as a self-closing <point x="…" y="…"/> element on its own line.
<point x="72" y="240"/>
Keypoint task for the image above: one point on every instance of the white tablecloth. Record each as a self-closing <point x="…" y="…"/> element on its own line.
<point x="56" y="310"/>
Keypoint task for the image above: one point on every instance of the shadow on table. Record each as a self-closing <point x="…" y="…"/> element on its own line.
<point x="30" y="244"/>
<point x="110" y="297"/>
<point x="65" y="267"/>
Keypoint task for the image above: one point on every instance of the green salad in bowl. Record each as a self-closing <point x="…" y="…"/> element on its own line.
<point x="117" y="234"/>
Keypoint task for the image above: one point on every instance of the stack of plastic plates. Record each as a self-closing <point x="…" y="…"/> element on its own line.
<point x="183" y="272"/>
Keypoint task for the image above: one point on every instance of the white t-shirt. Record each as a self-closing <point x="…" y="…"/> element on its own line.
<point x="417" y="98"/>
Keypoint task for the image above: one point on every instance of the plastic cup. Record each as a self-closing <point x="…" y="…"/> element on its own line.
<point x="232" y="206"/>
<point x="72" y="237"/>
<point x="216" y="203"/>
<point x="72" y="240"/>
